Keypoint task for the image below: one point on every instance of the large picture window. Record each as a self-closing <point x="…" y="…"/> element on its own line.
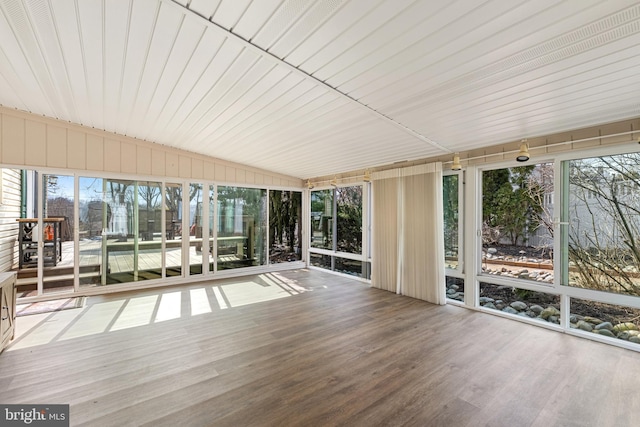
<point x="285" y="226"/>
<point x="242" y="228"/>
<point x="517" y="223"/>
<point x="336" y="230"/>
<point x="602" y="213"/>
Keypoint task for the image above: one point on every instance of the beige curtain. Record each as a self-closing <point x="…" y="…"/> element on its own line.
<point x="408" y="237"/>
<point x="385" y="273"/>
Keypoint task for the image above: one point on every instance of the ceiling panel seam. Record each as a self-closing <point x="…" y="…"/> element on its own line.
<point x="270" y="56"/>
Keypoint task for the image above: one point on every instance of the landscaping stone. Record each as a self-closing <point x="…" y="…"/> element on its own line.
<point x="585" y="326"/>
<point x="605" y="332"/>
<point x="549" y="311"/>
<point x="626" y="326"/>
<point x="624" y="335"/>
<point x="510" y="310"/>
<point x="519" y="305"/>
<point x="604" y="325"/>
<point x="593" y="320"/>
<point x="536" y="309"/>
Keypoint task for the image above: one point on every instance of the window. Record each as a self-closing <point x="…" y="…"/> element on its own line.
<point x="242" y="228"/>
<point x="450" y="205"/>
<point x="336" y="231"/>
<point x="322" y="219"/>
<point x="602" y="244"/>
<point x="517" y="223"/>
<point x="285" y="226"/>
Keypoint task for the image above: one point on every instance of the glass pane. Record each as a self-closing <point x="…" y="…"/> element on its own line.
<point x="521" y="302"/>
<point x="350" y="266"/>
<point x="173" y="224"/>
<point x="211" y="229"/>
<point x="603" y="212"/>
<point x="455" y="288"/>
<point x="150" y="230"/>
<point x="195" y="228"/>
<point x="241" y="227"/>
<point x="614" y="321"/>
<point x="285" y="226"/>
<point x="349" y="219"/>
<point x="57" y="232"/>
<point x="120" y="234"/>
<point x="451" y="220"/>
<point x="517" y="222"/>
<point x="93" y="214"/>
<point x="322" y="219"/>
<point x="319" y="260"/>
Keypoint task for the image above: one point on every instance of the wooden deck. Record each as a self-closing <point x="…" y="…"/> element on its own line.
<point x="307" y="348"/>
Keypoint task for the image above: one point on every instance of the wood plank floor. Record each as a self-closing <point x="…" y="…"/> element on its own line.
<point x="305" y="348"/>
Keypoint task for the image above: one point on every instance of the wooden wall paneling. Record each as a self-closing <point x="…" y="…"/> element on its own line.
<point x="197" y="166"/>
<point x="220" y="172"/>
<point x="76" y="149"/>
<point x="172" y="168"/>
<point x="229" y="174"/>
<point x="95" y="153"/>
<point x="143" y="160"/>
<point x="111" y="155"/>
<point x="184" y="167"/>
<point x="35" y="143"/>
<point x="13" y="140"/>
<point x="158" y="163"/>
<point x="128" y="155"/>
<point x="209" y="172"/>
<point x="56" y="146"/>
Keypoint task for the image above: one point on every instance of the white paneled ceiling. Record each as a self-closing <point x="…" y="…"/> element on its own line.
<point x="310" y="88"/>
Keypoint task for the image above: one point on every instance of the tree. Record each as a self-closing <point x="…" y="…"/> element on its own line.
<point x="604" y="223"/>
<point x="349" y="218"/>
<point x="450" y="212"/>
<point x="508" y="208"/>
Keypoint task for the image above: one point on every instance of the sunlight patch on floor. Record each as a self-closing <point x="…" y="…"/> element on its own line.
<point x="137" y="312"/>
<point x="219" y="298"/>
<point x="101" y="315"/>
<point x="170" y="306"/>
<point x="199" y="301"/>
<point x="244" y="293"/>
<point x="50" y="326"/>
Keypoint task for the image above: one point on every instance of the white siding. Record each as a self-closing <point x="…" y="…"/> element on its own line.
<point x="9" y="211"/>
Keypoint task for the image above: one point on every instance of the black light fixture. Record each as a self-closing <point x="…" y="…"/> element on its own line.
<point x="456" y="166"/>
<point x="523" y="155"/>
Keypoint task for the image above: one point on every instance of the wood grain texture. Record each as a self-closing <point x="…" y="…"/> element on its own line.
<point x="311" y="349"/>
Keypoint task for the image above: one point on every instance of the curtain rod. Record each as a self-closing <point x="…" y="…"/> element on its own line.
<point x="555" y="144"/>
<point x="484" y="156"/>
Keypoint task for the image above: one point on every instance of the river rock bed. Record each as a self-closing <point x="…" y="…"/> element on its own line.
<point x="602" y="319"/>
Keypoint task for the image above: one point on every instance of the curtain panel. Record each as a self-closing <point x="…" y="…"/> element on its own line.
<point x="408" y="236"/>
